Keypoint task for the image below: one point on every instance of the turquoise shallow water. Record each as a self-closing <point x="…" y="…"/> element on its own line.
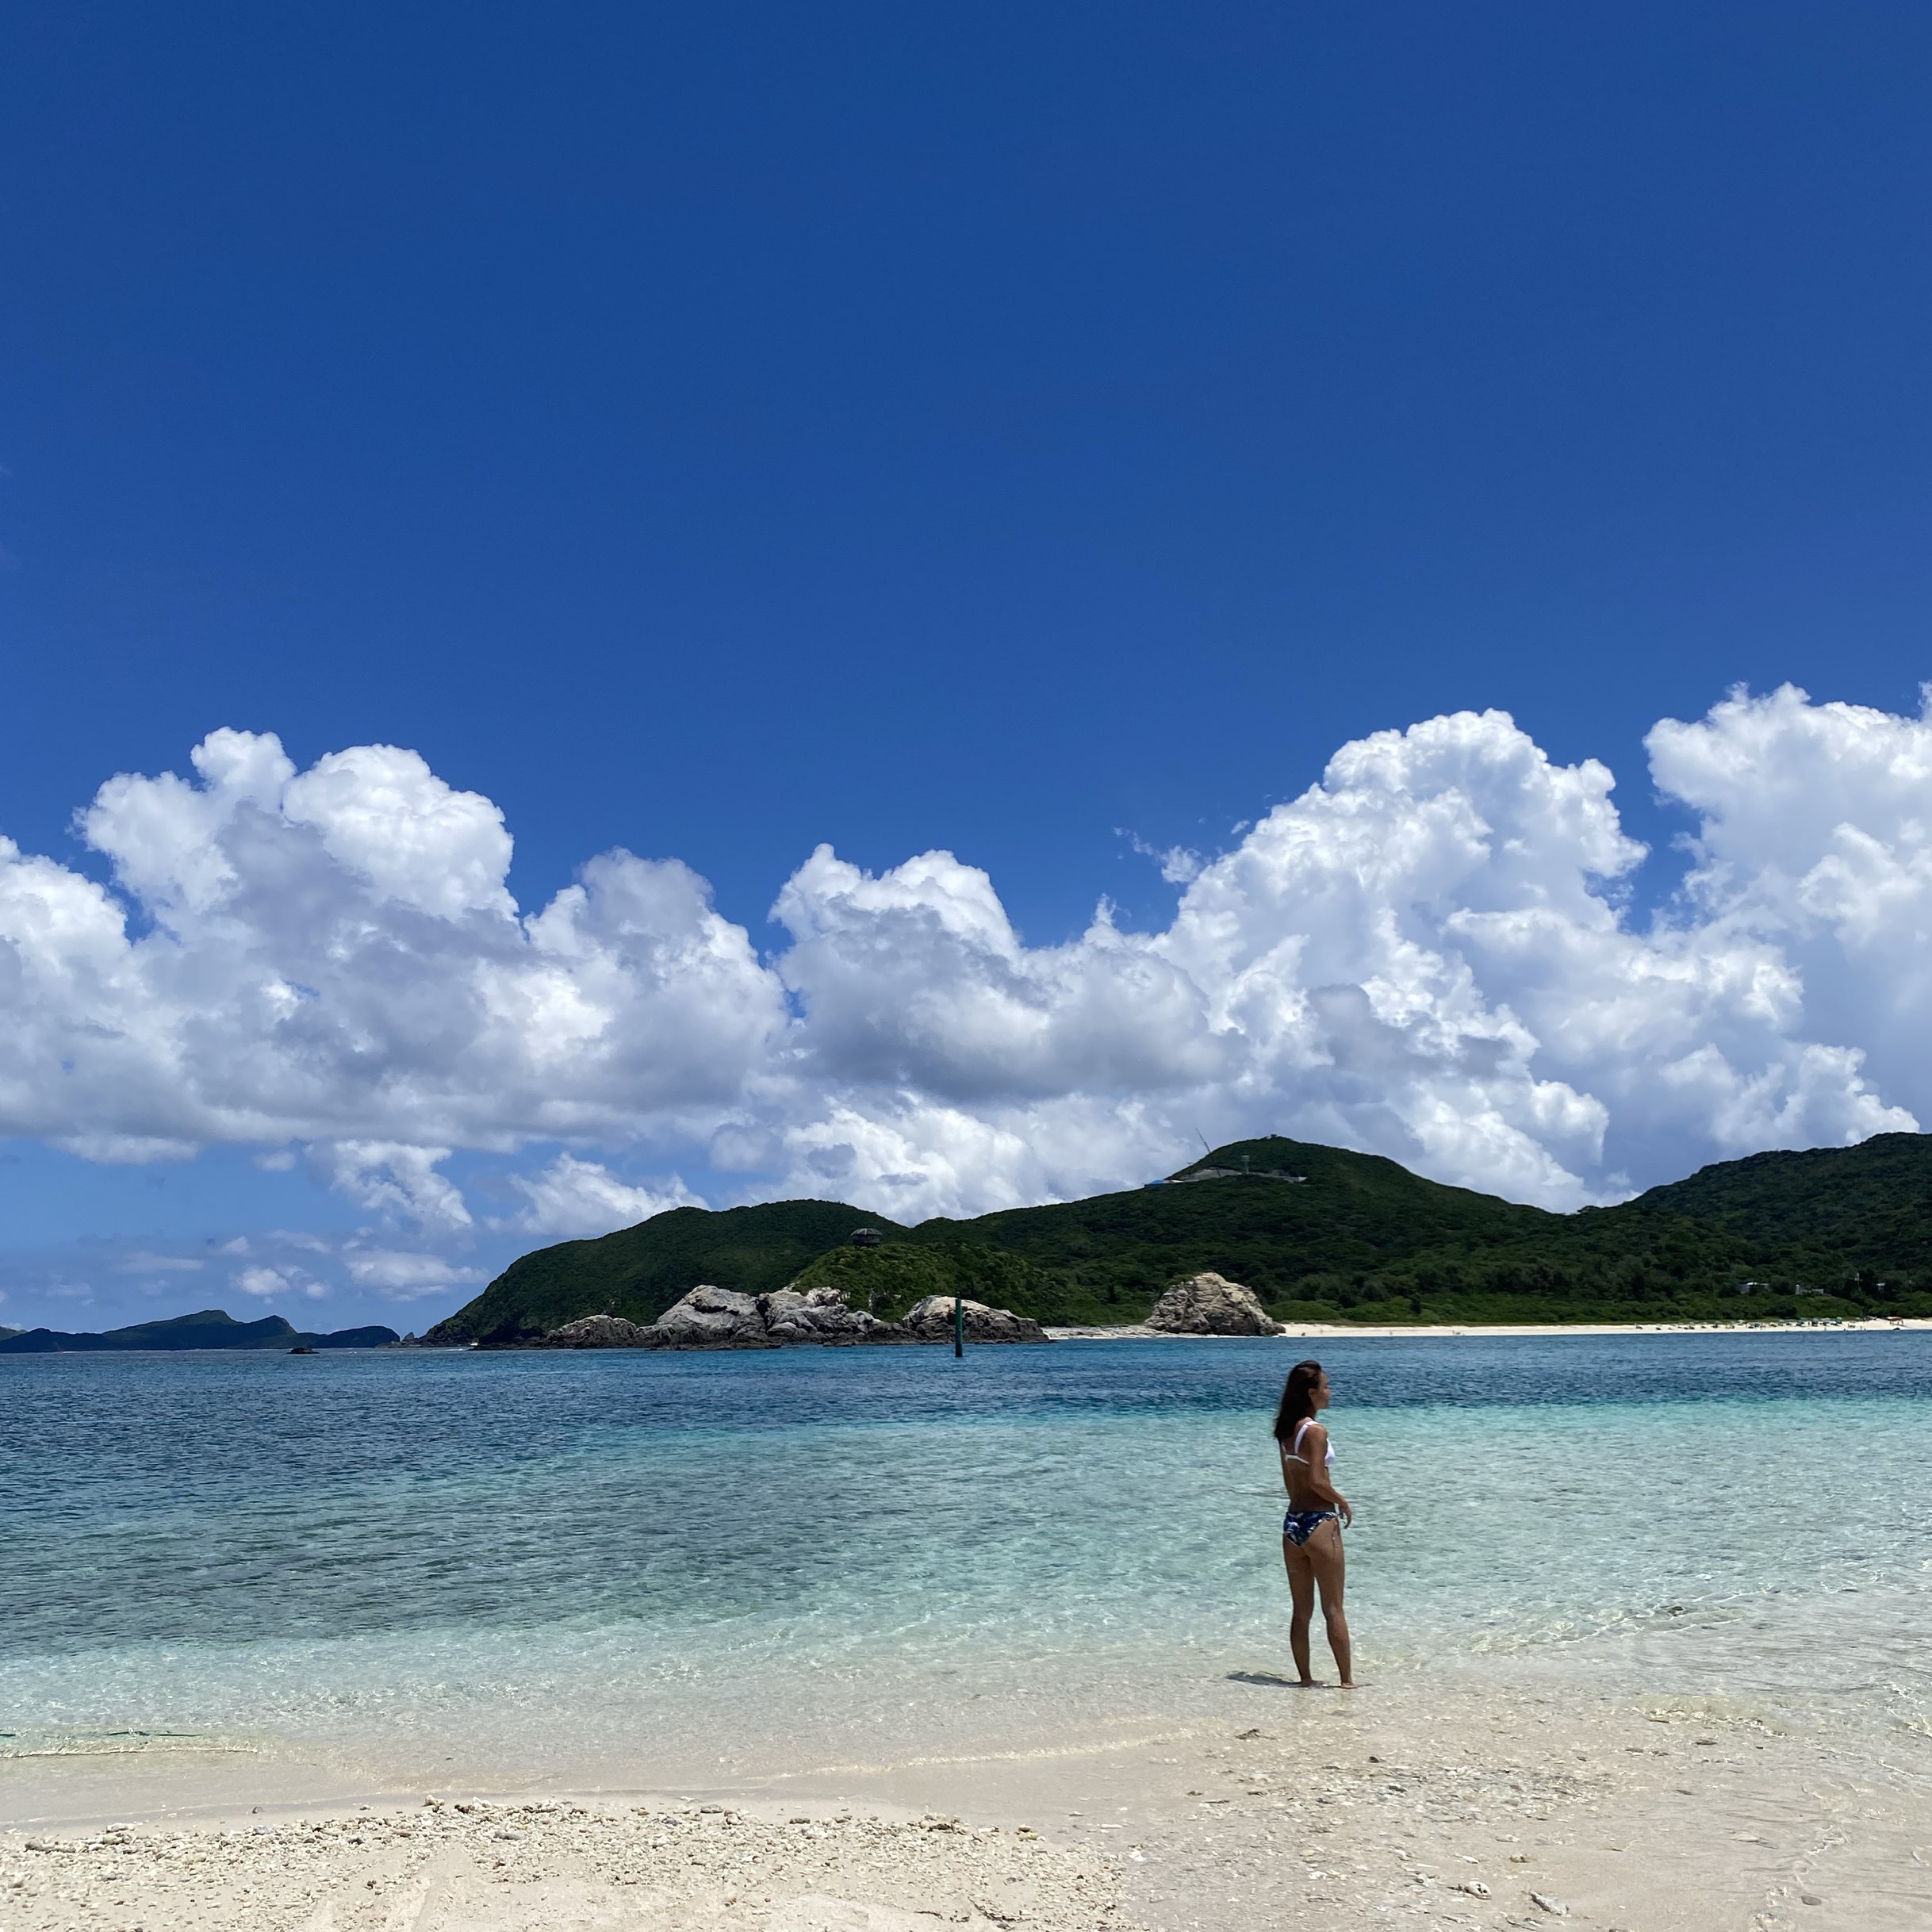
<point x="413" y="1559"/>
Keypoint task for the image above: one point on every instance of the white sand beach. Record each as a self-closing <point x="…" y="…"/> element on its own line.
<point x="1297" y="1331"/>
<point x="1435" y="1803"/>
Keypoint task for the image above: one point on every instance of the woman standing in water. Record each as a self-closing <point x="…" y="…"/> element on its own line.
<point x="1312" y="1532"/>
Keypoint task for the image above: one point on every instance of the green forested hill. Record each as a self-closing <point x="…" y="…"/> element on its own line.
<point x="638" y="1272"/>
<point x="1352" y="1237"/>
<point x="888" y="1279"/>
<point x="1348" y="1217"/>
<point x="1870" y="1203"/>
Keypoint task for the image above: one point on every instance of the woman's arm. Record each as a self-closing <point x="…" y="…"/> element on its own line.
<point x="1315" y="1447"/>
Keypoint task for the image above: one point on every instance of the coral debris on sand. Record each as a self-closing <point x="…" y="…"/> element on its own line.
<point x="546" y="1866"/>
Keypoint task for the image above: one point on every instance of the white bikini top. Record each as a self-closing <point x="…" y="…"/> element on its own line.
<point x="1288" y="1455"/>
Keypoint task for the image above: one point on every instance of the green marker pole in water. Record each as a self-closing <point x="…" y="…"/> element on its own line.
<point x="959" y="1327"/>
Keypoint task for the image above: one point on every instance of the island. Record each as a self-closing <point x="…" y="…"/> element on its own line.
<point x="212" y="1328"/>
<point x="1313" y="1234"/>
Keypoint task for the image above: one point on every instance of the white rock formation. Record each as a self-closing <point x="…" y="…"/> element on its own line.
<point x="820" y="1315"/>
<point x="597" y="1332"/>
<point x="931" y="1320"/>
<point x="710" y="1317"/>
<point x="1210" y="1305"/>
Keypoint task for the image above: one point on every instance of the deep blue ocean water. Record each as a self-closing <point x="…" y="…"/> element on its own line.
<point x="373" y="1549"/>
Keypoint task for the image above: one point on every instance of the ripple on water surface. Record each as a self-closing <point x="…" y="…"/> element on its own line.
<point x="354" y="1546"/>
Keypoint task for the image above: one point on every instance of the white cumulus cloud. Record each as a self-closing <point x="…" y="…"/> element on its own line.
<point x="1430" y="953"/>
<point x="1426" y="955"/>
<point x="402" y="1273"/>
<point x="331" y="957"/>
<point x="395" y="1180"/>
<point x="574" y="1197"/>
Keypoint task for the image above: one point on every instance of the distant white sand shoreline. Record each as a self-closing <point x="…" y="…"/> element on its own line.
<point x="1304" y="1331"/>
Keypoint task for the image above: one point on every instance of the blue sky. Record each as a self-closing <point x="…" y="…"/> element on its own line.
<point x="1045" y="437"/>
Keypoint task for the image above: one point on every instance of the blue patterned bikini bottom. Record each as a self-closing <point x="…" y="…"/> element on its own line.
<point x="1298" y="1525"/>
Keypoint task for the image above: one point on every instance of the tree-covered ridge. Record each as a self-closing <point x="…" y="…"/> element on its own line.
<point x="638" y="1272"/>
<point x="1351" y="1237"/>
<point x="1873" y="1201"/>
<point x="888" y="1279"/>
<point x="1348" y="1217"/>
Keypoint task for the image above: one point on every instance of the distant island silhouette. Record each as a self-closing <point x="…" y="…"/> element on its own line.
<point x="212" y="1328"/>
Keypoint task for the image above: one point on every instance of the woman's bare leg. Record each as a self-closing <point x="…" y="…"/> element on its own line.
<point x="1323" y="1553"/>
<point x="1302" y="1589"/>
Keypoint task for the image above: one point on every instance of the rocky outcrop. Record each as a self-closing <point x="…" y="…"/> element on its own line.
<point x="596" y="1331"/>
<point x="820" y="1315"/>
<point x="710" y="1317"/>
<point x="1209" y="1305"/>
<point x="931" y="1320"/>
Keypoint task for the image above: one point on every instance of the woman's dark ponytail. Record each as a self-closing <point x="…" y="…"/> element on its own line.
<point x="1298" y="1399"/>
